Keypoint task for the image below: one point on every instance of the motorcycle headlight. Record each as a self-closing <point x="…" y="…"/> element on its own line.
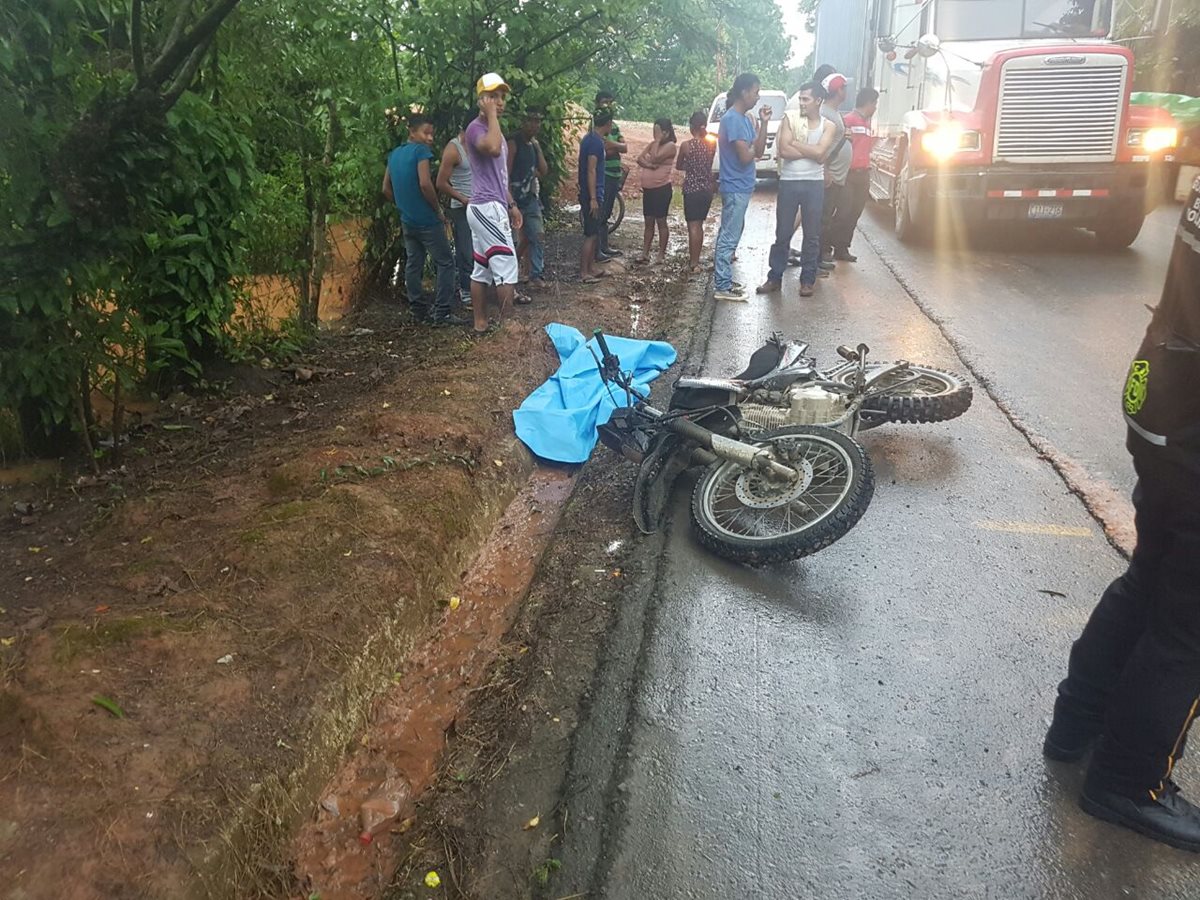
<point x="945" y="140"/>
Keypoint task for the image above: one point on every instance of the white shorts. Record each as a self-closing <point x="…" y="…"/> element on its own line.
<point x="492" y="244"/>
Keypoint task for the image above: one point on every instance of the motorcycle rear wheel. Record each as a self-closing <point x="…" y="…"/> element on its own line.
<point x="937" y="396"/>
<point x="744" y="517"/>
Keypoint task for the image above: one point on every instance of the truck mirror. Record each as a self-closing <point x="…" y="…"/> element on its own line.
<point x="929" y="45"/>
<point x="886" y="45"/>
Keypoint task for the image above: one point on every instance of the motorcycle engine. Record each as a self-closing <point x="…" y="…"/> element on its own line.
<point x="801" y="404"/>
<point x="813" y="405"/>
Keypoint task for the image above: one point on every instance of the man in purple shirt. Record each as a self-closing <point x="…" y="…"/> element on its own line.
<point x="491" y="214"/>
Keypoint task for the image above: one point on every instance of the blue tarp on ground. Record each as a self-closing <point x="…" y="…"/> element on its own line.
<point x="558" y="420"/>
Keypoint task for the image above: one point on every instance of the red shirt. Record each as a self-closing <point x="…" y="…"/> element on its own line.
<point x="858" y="132"/>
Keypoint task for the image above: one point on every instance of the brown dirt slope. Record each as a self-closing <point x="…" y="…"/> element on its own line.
<point x="189" y="643"/>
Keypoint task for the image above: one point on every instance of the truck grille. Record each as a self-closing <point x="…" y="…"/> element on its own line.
<point x="1064" y="113"/>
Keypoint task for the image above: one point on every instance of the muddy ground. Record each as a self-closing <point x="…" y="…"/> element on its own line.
<point x="491" y="826"/>
<point x="190" y="642"/>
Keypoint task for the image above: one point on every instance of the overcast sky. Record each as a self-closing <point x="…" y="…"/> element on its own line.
<point x="793" y="21"/>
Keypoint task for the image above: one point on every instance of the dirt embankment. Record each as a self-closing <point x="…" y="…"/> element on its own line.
<point x="189" y="644"/>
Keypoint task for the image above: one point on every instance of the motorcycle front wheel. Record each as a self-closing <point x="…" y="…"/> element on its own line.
<point x="742" y="515"/>
<point x="618" y="214"/>
<point x="935" y="395"/>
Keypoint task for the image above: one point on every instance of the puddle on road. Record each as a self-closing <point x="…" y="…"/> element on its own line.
<point x="400" y="753"/>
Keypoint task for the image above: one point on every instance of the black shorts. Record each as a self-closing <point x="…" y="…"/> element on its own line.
<point x="656" y="202"/>
<point x="592" y="225"/>
<point x="696" y="206"/>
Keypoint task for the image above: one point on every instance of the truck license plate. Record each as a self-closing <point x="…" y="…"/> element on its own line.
<point x="1045" y="210"/>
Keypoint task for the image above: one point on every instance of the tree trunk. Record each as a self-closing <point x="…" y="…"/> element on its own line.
<point x="310" y="302"/>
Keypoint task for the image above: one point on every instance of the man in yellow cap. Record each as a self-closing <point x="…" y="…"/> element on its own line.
<point x="491" y="214"/>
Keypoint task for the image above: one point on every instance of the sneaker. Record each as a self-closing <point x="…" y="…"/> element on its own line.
<point x="768" y="287"/>
<point x="537" y="281"/>
<point x="807" y="290"/>
<point x="822" y="273"/>
<point x="737" y="286"/>
<point x="827" y="265"/>
<point x="613" y="252"/>
<point x="732" y="294"/>
<point x="1163" y="816"/>
<point x="844" y="256"/>
<point x="464" y="297"/>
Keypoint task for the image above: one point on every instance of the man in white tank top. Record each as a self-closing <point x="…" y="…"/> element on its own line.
<point x="803" y="141"/>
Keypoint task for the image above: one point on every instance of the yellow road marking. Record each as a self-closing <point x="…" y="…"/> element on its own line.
<point x="1034" y="528"/>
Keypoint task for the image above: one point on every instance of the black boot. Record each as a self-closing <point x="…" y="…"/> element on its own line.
<point x="1166" y="817"/>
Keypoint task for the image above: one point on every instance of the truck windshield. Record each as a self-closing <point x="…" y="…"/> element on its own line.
<point x="986" y="20"/>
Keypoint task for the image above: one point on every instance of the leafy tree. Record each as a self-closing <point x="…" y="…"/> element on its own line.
<point x="690" y="50"/>
<point x="85" y="89"/>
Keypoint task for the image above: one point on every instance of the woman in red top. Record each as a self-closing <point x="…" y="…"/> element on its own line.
<point x="695" y="162"/>
<point x="655" y="166"/>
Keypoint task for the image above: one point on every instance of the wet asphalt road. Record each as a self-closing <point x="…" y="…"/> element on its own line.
<point x="866" y="723"/>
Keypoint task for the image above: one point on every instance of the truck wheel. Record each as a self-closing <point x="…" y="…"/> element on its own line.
<point x="908" y="230"/>
<point x="1118" y="231"/>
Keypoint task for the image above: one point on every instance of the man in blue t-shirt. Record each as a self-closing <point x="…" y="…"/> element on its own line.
<point x="409" y="182"/>
<point x="739" y="143"/>
<point x="591" y="194"/>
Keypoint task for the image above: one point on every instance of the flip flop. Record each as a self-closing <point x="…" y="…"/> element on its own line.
<point x="522" y="299"/>
<point x="591" y="279"/>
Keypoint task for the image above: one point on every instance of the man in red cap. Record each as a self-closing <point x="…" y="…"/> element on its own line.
<point x="837" y="163"/>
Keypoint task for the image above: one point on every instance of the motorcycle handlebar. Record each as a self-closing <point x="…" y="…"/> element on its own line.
<point x="601" y="343"/>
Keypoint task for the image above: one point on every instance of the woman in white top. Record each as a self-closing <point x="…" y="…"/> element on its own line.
<point x="803" y="142"/>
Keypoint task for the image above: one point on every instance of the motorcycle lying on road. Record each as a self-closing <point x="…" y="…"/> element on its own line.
<point x="784" y="474"/>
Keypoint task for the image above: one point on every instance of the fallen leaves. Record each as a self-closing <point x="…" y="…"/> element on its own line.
<point x="109" y="706"/>
<point x="532" y="823"/>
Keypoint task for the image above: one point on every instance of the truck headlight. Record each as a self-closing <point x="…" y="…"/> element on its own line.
<point x="944" y="141"/>
<point x="1155" y="140"/>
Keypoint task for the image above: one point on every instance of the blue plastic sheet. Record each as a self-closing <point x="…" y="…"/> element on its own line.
<point x="558" y="420"/>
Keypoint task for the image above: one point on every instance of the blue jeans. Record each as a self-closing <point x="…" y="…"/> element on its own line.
<point x="464" y="264"/>
<point x="809" y="198"/>
<point x="431" y="242"/>
<point x="534" y="230"/>
<point x="733" y="220"/>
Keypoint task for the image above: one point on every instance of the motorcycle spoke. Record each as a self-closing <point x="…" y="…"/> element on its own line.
<point x="829" y="482"/>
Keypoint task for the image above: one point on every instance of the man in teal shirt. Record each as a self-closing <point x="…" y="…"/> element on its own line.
<point x="740" y="142"/>
<point x="407" y="180"/>
<point x="614" y="147"/>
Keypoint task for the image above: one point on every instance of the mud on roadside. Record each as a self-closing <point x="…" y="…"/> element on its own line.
<point x="494" y="824"/>
<point x="190" y="644"/>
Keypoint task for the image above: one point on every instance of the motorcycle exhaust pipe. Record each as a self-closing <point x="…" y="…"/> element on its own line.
<point x="728" y="448"/>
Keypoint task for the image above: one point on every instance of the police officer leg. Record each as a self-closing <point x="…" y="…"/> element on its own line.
<point x="1113" y="630"/>
<point x="1158" y="694"/>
